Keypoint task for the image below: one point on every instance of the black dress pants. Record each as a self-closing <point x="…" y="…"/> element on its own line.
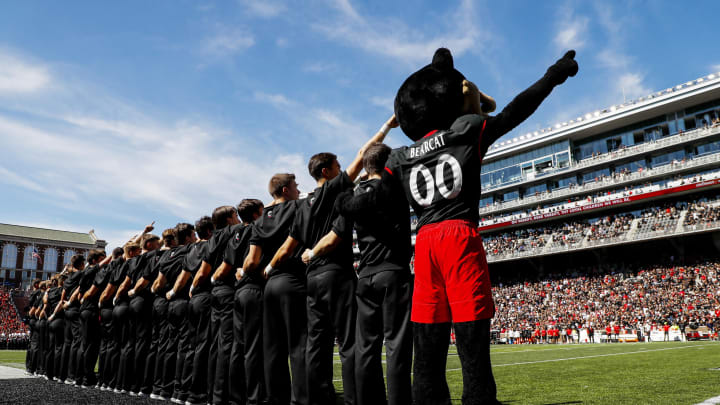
<point x="246" y="359"/>
<point x="383" y="301"/>
<point x="56" y="350"/>
<point x="200" y="315"/>
<point x="43" y="345"/>
<point x="285" y="335"/>
<point x="180" y="342"/>
<point x="106" y="346"/>
<point x="473" y="344"/>
<point x="141" y="324"/>
<point x="160" y="331"/>
<point x="90" y="345"/>
<point x="71" y="349"/>
<point x="126" y="369"/>
<point x="221" y="332"/>
<point x="331" y="311"/>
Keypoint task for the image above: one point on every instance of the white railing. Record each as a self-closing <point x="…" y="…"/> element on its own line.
<point x="630" y="151"/>
<point x="605" y="183"/>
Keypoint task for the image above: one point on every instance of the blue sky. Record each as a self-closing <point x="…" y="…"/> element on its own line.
<point x="115" y="114"/>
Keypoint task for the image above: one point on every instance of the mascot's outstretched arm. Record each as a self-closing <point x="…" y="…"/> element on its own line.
<point x="525" y="103"/>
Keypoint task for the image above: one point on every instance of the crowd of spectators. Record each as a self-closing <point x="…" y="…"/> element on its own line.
<point x="617" y="297"/>
<point x="701" y="213"/>
<point x="13" y="332"/>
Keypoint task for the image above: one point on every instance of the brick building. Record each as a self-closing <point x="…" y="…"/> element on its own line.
<point x="29" y="252"/>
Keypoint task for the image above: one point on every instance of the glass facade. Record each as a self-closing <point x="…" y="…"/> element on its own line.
<point x="9" y="256"/>
<point x="515" y="168"/>
<point x="666" y="158"/>
<point x="631" y="166"/>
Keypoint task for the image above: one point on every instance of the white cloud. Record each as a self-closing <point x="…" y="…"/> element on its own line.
<point x="19" y="76"/>
<point x="264" y="8"/>
<point x="394" y="39"/>
<point x="319" y="67"/>
<point x="281" y="42"/>
<point x="387" y="103"/>
<point x="715" y="68"/>
<point x="631" y="85"/>
<point x="571" y="30"/>
<point x="276" y="100"/>
<point x="228" y="41"/>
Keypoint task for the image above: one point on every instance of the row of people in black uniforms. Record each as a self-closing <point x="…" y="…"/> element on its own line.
<point x="243" y="310"/>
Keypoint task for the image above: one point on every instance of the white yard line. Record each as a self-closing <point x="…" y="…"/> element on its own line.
<point x="711" y="401"/>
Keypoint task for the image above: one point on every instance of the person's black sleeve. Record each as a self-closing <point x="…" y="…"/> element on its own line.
<point x="366" y="204"/>
<point x="525" y="103"/>
<point x="342" y="226"/>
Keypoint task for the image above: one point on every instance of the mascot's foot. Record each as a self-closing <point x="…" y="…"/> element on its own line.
<point x="473" y="344"/>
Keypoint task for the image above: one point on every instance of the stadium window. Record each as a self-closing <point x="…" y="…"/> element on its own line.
<point x="563" y="160"/>
<point x="29" y="260"/>
<point x="50" y="260"/>
<point x="12" y="274"/>
<point x="513" y="195"/>
<point x="67" y="256"/>
<point x="9" y="257"/>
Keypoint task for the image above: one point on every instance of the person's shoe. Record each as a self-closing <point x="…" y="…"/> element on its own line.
<point x="189" y="402"/>
<point x="158" y="397"/>
<point x="177" y="401"/>
<point x="69" y="381"/>
<point x="117" y="391"/>
<point x="133" y="394"/>
<point x="141" y="394"/>
<point x="46" y="378"/>
<point x="123" y="392"/>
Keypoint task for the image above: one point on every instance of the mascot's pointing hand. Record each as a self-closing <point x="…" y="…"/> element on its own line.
<point x="562" y="69"/>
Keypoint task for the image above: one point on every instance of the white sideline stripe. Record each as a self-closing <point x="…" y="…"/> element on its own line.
<point x="589" y="357"/>
<point x="710" y="401"/>
<point x="585" y="357"/>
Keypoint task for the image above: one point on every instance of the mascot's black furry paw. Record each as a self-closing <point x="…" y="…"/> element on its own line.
<point x="562" y="69"/>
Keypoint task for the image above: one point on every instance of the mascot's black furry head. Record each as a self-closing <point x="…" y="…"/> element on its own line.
<point x="430" y="98"/>
<point x="435" y="96"/>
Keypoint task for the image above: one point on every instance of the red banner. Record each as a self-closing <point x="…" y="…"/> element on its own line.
<point x="604" y="204"/>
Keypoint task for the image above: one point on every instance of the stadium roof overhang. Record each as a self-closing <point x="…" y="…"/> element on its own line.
<point x="677" y="98"/>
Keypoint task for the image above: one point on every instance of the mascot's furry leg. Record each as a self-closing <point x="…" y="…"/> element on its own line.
<point x="474" y="350"/>
<point x="431" y="342"/>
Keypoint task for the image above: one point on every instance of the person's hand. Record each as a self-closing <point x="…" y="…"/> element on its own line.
<point x="82" y="300"/>
<point x="239" y="274"/>
<point x="307" y="256"/>
<point x="150" y="227"/>
<point x="66" y="305"/>
<point x="170" y="294"/>
<point x="562" y="69"/>
<point x="267" y="271"/>
<point x="131" y="293"/>
<point x="392" y="122"/>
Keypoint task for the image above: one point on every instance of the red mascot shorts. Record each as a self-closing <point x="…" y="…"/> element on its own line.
<point x="452" y="282"/>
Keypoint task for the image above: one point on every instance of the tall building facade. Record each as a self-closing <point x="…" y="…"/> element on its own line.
<point x="29" y="253"/>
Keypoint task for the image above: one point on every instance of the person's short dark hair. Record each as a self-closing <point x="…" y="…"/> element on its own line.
<point x="278" y="182"/>
<point x="36" y="283"/>
<point x="183" y="230"/>
<point x="168" y="236"/>
<point x="77" y="261"/>
<point x="117" y="252"/>
<point x="148" y="237"/>
<point x="375" y="157"/>
<point x="248" y="208"/>
<point x="221" y="214"/>
<point x="320" y="161"/>
<point x="95" y="256"/>
<point x="130" y="246"/>
<point x="204" y="227"/>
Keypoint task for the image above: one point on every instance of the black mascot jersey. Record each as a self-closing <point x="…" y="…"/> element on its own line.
<point x="440" y="173"/>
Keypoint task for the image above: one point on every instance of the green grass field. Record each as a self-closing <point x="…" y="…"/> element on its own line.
<point x="633" y="373"/>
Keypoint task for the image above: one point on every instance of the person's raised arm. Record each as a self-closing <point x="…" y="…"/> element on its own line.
<point x="525" y="103"/>
<point x="327" y="244"/>
<point x="147" y="229"/>
<point x="282" y="254"/>
<point x="355" y="167"/>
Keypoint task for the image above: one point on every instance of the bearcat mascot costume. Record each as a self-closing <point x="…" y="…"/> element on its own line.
<point x="445" y="116"/>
